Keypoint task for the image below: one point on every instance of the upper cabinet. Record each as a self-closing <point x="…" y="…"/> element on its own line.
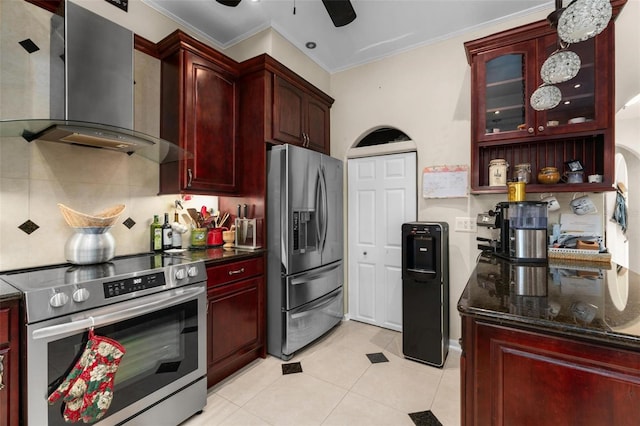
<point x="505" y="70"/>
<point x="294" y="110"/>
<point x="199" y="111"/>
<point x="299" y="116"/>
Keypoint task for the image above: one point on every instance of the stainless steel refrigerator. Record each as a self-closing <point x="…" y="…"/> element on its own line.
<point x="305" y="247"/>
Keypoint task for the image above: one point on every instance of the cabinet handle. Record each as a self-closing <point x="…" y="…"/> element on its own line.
<point x="540" y="128"/>
<point x="1" y="372"/>
<point x="530" y="130"/>
<point x="305" y="137"/>
<point x="237" y="271"/>
<point x="189" y="177"/>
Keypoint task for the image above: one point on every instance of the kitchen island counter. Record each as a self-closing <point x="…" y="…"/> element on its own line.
<point x="552" y="343"/>
<point x="591" y="301"/>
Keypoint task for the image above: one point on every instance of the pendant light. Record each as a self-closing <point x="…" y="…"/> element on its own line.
<point x="561" y="66"/>
<point x="545" y="97"/>
<point x="584" y="19"/>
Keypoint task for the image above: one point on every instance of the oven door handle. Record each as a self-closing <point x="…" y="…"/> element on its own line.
<point x="159" y="302"/>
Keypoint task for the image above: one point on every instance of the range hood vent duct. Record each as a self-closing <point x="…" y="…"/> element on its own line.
<point x="91" y="90"/>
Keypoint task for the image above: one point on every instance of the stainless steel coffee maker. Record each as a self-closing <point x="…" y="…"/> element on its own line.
<point x="523" y="230"/>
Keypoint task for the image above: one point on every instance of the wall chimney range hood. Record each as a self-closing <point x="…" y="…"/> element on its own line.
<point x="91" y="90"/>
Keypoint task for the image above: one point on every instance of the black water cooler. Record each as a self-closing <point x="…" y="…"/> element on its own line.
<point x="425" y="292"/>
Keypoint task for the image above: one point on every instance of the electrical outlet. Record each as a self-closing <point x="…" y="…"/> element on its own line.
<point x="466" y="224"/>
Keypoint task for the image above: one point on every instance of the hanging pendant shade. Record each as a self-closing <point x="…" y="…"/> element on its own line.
<point x="584" y="19"/>
<point x="561" y="66"/>
<point x="545" y="97"/>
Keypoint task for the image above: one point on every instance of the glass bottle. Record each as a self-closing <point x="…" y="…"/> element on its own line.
<point x="176" y="239"/>
<point x="167" y="233"/>
<point x="156" y="234"/>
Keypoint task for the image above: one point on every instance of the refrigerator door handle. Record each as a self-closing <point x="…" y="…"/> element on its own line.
<point x="318" y="203"/>
<point x="324" y="209"/>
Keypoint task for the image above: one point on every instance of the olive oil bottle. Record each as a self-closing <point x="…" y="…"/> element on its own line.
<point x="156" y="234"/>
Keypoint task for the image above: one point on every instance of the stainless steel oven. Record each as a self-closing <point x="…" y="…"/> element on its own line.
<point x="154" y="306"/>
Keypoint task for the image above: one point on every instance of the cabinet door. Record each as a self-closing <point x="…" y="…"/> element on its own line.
<point x="318" y="120"/>
<point x="578" y="109"/>
<point x="209" y="127"/>
<point x="288" y="112"/>
<point x="503" y="80"/>
<point x="516" y="377"/>
<point x="9" y="392"/>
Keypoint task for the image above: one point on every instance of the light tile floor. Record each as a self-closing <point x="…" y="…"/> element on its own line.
<point x="338" y="386"/>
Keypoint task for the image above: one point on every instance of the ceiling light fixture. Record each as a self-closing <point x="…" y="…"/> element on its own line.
<point x="579" y="21"/>
<point x="310" y="45"/>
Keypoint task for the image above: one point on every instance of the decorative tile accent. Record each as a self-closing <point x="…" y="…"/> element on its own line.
<point x="425" y="418"/>
<point x="129" y="223"/>
<point x="291" y="368"/>
<point x="28" y="227"/>
<point x="29" y="45"/>
<point x="377" y="357"/>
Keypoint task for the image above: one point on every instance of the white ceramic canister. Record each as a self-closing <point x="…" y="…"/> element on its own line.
<point x="498" y="172"/>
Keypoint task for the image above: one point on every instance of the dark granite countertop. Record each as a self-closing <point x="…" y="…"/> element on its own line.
<point x="7" y="292"/>
<point x="214" y="255"/>
<point x="593" y="301"/>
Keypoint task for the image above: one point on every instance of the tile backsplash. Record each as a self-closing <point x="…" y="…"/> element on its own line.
<point x="39" y="175"/>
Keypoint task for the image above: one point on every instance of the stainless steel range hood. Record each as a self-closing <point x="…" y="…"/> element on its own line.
<point x="91" y="90"/>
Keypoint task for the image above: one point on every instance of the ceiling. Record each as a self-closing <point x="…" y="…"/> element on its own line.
<point x="381" y="28"/>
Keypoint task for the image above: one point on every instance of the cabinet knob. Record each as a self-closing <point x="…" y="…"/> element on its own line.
<point x="530" y="130"/>
<point x="540" y="128"/>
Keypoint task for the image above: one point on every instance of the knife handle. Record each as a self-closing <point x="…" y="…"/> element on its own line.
<point x="246" y="211"/>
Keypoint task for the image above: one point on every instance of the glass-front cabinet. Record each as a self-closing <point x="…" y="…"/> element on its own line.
<point x="505" y="70"/>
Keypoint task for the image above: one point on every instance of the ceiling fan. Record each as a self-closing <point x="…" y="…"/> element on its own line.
<point x="341" y="12"/>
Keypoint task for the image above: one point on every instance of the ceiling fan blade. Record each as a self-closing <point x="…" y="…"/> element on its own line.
<point x="340" y="11"/>
<point x="230" y="3"/>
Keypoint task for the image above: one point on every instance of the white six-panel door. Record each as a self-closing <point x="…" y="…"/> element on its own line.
<point x="381" y="197"/>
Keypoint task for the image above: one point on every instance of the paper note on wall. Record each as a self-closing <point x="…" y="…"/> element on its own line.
<point x="445" y="181"/>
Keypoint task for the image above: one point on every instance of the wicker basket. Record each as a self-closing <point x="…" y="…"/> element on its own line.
<point x="101" y="219"/>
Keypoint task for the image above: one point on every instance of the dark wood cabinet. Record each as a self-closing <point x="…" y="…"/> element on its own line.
<point x="299" y="117"/>
<point x="9" y="363"/>
<point x="505" y="69"/>
<point x="199" y="112"/>
<point x="292" y="110"/>
<point x="512" y="376"/>
<point x="236" y="324"/>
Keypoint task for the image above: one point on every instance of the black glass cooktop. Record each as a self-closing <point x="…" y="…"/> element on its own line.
<point x="68" y="274"/>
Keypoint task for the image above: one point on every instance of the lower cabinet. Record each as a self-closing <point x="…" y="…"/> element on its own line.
<point x="236" y="326"/>
<point x="511" y="376"/>
<point x="9" y="360"/>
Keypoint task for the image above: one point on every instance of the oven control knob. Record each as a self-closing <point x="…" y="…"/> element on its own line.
<point x="181" y="274"/>
<point x="58" y="300"/>
<point x="192" y="271"/>
<point x="80" y="295"/>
